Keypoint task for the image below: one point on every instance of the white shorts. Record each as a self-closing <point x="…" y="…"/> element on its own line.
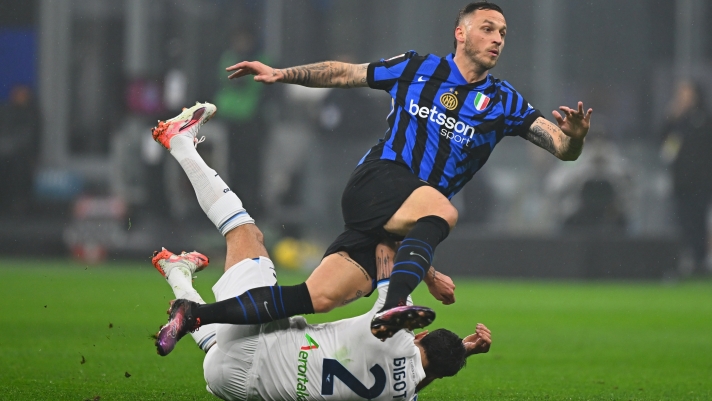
<point x="227" y="364"/>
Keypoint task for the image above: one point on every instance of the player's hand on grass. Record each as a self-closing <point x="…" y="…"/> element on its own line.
<point x="574" y="123"/>
<point x="263" y="73"/>
<point x="441" y="286"/>
<point x="478" y="343"/>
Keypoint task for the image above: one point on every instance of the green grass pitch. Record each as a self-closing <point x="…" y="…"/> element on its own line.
<point x="75" y="332"/>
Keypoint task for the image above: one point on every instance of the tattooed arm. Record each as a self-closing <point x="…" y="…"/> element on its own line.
<point x="564" y="141"/>
<point x="327" y="74"/>
<point x="549" y="137"/>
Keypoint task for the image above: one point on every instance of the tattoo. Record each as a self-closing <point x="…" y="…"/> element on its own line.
<point x="541" y="134"/>
<point x="430" y="275"/>
<point x="359" y="294"/>
<point x="570" y="148"/>
<point x="382" y="261"/>
<point x="365" y="274"/>
<point x="363" y="74"/>
<point x="328" y="74"/>
<point x="541" y="138"/>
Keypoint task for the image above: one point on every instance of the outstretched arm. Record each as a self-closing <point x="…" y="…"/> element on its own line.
<point x="327" y="74"/>
<point x="564" y="141"/>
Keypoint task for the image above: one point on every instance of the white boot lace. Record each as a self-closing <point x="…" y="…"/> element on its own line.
<point x="197" y="141"/>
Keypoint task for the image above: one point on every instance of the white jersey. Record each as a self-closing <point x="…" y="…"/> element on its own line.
<point x="334" y="361"/>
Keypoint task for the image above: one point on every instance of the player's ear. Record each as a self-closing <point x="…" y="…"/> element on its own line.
<point x="460" y="33"/>
<point x="421" y="335"/>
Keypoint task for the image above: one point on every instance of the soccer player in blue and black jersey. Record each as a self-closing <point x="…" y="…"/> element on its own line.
<point x="448" y="114"/>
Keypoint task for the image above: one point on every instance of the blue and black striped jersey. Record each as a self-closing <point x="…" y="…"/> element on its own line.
<point x="440" y="126"/>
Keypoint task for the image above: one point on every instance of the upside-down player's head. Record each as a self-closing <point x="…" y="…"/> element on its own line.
<point x="480" y="28"/>
<point x="444" y="352"/>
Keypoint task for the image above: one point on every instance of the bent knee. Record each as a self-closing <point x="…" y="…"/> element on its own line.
<point x="450" y="215"/>
<point x="252" y="232"/>
<point x="244" y="242"/>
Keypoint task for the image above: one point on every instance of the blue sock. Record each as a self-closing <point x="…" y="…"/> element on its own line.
<point x="414" y="258"/>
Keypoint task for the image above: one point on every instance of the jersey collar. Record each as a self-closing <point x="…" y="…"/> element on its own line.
<point x="459" y="79"/>
<point x="419" y="371"/>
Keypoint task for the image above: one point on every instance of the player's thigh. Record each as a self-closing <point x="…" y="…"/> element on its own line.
<point x="422" y="202"/>
<point x="337" y="281"/>
<point x="227" y="377"/>
<point x="239" y="341"/>
<point x="244" y="242"/>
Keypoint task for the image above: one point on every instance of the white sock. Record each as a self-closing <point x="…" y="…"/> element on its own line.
<point x="216" y="199"/>
<point x="181" y="282"/>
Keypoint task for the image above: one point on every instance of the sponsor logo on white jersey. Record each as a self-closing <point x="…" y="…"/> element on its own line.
<point x="302" y="367"/>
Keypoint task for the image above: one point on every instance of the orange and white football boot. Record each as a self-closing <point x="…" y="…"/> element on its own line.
<point x="187" y="123"/>
<point x="165" y="260"/>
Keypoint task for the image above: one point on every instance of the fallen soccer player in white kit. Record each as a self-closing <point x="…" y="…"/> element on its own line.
<point x="288" y="359"/>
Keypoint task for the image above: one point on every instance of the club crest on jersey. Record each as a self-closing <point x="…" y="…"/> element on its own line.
<point x="449" y="101"/>
<point x="481" y="101"/>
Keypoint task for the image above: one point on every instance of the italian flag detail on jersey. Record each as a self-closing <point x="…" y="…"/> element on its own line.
<point x="481" y="101"/>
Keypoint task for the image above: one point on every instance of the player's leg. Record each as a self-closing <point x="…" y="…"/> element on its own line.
<point x="179" y="136"/>
<point x="244" y="240"/>
<point x="220" y="204"/>
<point x="228" y="365"/>
<point x="425" y="220"/>
<point x="384" y="195"/>
<point x="225" y="210"/>
<point x="424" y="201"/>
<point x="337" y="281"/>
<point x="178" y="270"/>
<point x="237" y="294"/>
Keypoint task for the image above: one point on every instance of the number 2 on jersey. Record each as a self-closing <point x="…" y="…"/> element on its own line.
<point x="333" y="369"/>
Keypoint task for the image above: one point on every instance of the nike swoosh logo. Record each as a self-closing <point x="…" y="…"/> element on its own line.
<point x="193" y="120"/>
<point x="420" y="79"/>
<point x="267" y="309"/>
<point x="417" y="254"/>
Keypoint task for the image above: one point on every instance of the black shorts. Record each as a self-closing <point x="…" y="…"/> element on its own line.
<point x="374" y="193"/>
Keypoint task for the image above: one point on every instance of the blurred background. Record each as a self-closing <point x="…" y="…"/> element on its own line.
<point x="83" y="81"/>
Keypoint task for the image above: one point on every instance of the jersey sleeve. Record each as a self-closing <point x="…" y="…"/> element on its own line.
<point x="384" y="74"/>
<point x="519" y="114"/>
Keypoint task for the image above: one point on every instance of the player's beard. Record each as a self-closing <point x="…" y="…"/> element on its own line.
<point x="478" y="57"/>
